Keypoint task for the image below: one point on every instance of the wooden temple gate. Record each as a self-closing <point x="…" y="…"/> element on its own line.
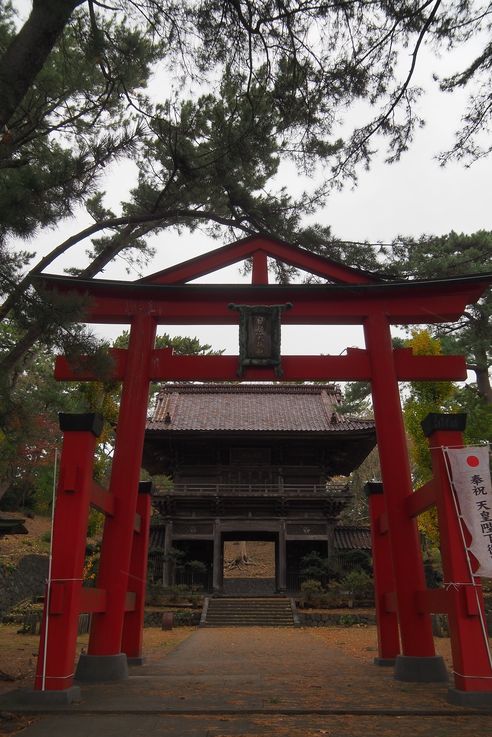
<point x="351" y="297"/>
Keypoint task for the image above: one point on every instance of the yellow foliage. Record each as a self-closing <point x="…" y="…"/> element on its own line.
<point x="90" y="567"/>
<point x="425" y="397"/>
<point x="428" y="525"/>
<point x="423" y="344"/>
<point x="103" y="397"/>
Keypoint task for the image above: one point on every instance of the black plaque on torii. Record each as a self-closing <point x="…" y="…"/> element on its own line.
<point x="259" y="336"/>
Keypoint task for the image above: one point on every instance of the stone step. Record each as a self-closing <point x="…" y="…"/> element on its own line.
<point x="249" y="612"/>
<point x="248" y="620"/>
<point x="228" y="622"/>
<point x="248" y="604"/>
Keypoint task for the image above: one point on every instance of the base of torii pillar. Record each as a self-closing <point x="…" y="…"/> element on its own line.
<point x="95" y="668"/>
<point x="137" y="660"/>
<point x="384" y="662"/>
<point x="416" y="669"/>
<point x="469" y="698"/>
<point x="54" y="697"/>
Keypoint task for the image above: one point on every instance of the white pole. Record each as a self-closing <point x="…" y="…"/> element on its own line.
<point x="48" y="582"/>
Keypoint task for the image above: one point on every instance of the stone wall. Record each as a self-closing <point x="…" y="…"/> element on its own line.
<point x="181" y="618"/>
<point x="249" y="587"/>
<point x="26" y="580"/>
<point x="327" y="619"/>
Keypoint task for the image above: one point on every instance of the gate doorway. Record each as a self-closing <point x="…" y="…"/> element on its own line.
<point x="249" y="564"/>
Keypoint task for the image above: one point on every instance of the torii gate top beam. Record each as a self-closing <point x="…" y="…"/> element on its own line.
<point x="410" y="302"/>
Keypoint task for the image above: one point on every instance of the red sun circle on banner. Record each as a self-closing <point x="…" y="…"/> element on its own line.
<point x="472" y="461"/>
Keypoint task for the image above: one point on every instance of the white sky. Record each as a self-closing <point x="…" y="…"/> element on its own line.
<point x="412" y="197"/>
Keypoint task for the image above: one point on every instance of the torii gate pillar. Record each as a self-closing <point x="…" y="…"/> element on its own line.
<point x="132" y="637"/>
<point x="472" y="662"/>
<point x="105" y="659"/>
<point x="384" y="580"/>
<point x="418" y="661"/>
<point x="58" y="639"/>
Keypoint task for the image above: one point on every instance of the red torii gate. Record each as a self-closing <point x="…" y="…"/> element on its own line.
<point x="356" y="297"/>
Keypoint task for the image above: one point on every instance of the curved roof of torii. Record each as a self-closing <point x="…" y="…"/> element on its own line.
<point x="327" y="268"/>
<point x="347" y="298"/>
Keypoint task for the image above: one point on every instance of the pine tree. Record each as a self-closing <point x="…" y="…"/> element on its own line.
<point x="446" y="256"/>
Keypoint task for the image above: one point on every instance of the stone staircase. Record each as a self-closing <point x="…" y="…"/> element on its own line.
<point x="244" y="612"/>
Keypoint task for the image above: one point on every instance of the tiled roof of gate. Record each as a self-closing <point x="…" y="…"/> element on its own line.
<point x="253" y="407"/>
<point x="352" y="538"/>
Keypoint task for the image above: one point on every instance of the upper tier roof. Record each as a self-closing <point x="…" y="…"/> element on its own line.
<point x="252" y="408"/>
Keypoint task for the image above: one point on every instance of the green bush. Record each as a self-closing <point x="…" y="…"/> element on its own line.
<point x="358" y="560"/>
<point x="317" y="568"/>
<point x="348" y="620"/>
<point x="158" y="595"/>
<point x="185" y="618"/>
<point x="334" y="598"/>
<point x="312" y="591"/>
<point x="311" y="586"/>
<point x="8" y="567"/>
<point x="95" y="523"/>
<point x="359" y="584"/>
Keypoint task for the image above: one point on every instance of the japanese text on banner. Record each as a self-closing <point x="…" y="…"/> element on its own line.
<point x="471" y="479"/>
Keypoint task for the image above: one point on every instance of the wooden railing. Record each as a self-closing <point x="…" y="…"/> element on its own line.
<point x="233" y="489"/>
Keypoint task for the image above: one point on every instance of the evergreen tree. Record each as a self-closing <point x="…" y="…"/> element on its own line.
<point x="454" y="255"/>
<point x="29" y="431"/>
<point x="72" y="98"/>
<point x="28" y="427"/>
<point x="331" y="55"/>
<point x="276" y="80"/>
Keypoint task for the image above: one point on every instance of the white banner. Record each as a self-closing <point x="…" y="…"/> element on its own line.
<point x="471" y="479"/>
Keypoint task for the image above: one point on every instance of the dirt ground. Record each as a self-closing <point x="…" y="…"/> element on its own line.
<point x="18" y="657"/>
<point x="358" y="641"/>
<point x="18" y="652"/>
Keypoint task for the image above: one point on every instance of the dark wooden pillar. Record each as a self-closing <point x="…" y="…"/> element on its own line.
<point x="282" y="559"/>
<point x="330" y="539"/>
<point x="168" y="563"/>
<point x="218" y="573"/>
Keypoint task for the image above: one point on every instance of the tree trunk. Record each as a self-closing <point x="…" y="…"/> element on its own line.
<point x="481" y="365"/>
<point x="243" y="551"/>
<point x="4" y="486"/>
<point x="28" y="51"/>
<point x="483" y="383"/>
